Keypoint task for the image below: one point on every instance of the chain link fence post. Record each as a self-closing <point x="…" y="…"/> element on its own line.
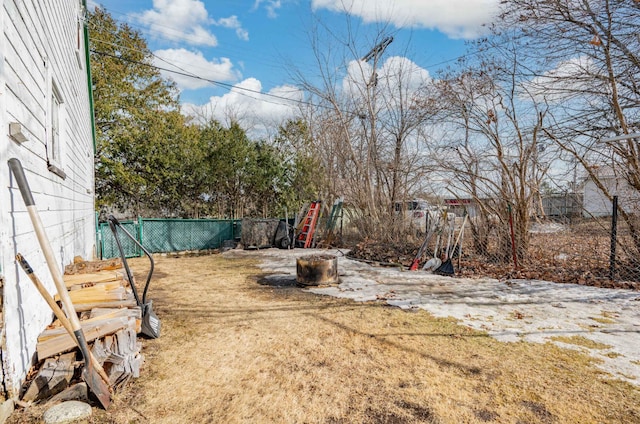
<point x="614" y="231"/>
<point x="140" y="235"/>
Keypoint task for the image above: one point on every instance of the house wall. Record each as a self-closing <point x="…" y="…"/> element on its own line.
<point x="596" y="204"/>
<point x="41" y="54"/>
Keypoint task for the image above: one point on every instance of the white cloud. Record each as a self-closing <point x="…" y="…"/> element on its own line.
<point x="233" y="23"/>
<point x="230" y="22"/>
<point x="248" y="105"/>
<point x="398" y="71"/>
<point x="242" y="34"/>
<point x="179" y="20"/>
<point x="456" y="18"/>
<point x="270" y="5"/>
<point x="568" y="79"/>
<point x="186" y="61"/>
<point x="398" y="79"/>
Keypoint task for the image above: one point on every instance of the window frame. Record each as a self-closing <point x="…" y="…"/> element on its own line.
<point x="55" y="130"/>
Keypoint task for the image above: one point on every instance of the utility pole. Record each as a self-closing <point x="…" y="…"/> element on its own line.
<point x="373" y="54"/>
<point x="377" y="50"/>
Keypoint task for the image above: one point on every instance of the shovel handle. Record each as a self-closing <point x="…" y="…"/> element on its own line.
<point x="58" y="312"/>
<point x="100" y="390"/>
<point x="464" y="221"/>
<point x="18" y="172"/>
<point x="21" y="179"/>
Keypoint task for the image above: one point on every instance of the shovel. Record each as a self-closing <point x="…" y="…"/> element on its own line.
<point x="58" y="312"/>
<point x="416" y="260"/>
<point x="447" y="266"/>
<point x="435" y="261"/>
<point x="150" y="322"/>
<point x="95" y="383"/>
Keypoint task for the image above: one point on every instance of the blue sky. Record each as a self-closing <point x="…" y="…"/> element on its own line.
<point x="258" y="44"/>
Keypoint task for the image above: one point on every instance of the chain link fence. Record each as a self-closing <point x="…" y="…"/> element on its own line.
<point x="167" y="235"/>
<point x="569" y="241"/>
<point x="569" y="245"/>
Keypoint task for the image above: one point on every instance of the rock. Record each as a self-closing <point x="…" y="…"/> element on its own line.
<point x="6" y="408"/>
<point x="67" y="412"/>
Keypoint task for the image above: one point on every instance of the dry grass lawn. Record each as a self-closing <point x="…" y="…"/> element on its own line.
<point x="235" y="349"/>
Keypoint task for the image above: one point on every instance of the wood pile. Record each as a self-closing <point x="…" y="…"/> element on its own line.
<point x="110" y="319"/>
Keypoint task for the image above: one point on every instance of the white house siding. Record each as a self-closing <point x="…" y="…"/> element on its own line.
<point x="596" y="204"/>
<point x="38" y="46"/>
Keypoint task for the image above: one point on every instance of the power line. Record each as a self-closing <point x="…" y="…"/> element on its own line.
<point x="211" y="81"/>
<point x="244" y="91"/>
<point x="179" y="35"/>
<point x="173" y="34"/>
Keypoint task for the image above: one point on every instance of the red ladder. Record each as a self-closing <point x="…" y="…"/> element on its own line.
<point x="305" y="238"/>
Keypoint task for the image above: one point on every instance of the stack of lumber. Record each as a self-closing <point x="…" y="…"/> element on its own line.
<point x="110" y="319"/>
<point x="103" y="289"/>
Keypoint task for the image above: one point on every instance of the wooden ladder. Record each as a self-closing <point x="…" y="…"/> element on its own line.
<point x="305" y="238"/>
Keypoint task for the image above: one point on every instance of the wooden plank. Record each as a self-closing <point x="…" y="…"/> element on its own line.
<point x="129" y="302"/>
<point x="101" y="292"/>
<point x="93" y="266"/>
<point x="6" y="409"/>
<point x="71" y="280"/>
<point x="124" y="355"/>
<point x="98" y="320"/>
<point x="97" y="287"/>
<point x="62" y="343"/>
<point x="100" y="349"/>
<point x="135" y="312"/>
<point x="76" y="392"/>
<point x="54" y="376"/>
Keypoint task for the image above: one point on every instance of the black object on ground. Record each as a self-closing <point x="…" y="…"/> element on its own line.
<point x="150" y="322"/>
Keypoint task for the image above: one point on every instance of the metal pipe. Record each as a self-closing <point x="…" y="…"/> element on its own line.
<point x="614" y="231"/>
<point x="513" y="238"/>
<point x="621" y="137"/>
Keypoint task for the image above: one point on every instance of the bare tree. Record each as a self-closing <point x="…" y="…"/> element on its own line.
<point x="366" y="123"/>
<point x="585" y="66"/>
<point x="492" y="150"/>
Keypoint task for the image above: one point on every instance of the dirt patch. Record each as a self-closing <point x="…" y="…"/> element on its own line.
<point x="542" y="415"/>
<point x="485" y="415"/>
<point x="244" y="346"/>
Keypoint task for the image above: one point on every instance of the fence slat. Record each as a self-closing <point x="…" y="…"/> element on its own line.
<point x="168" y="235"/>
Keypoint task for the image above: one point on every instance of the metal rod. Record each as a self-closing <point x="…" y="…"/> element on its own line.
<point x="614" y="231"/>
<point x="621" y="137"/>
<point x="513" y="238"/>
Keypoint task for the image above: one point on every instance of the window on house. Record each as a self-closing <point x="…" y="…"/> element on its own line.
<point x="53" y="141"/>
<point x="79" y="34"/>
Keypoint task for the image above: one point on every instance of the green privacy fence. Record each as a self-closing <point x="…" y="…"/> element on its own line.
<point x="167" y="235"/>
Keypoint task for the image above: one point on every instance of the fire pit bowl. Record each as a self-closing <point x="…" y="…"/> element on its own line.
<point x="317" y="270"/>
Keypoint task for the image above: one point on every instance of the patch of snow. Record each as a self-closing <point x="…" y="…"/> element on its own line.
<point x="512" y="310"/>
<point x="547" y="227"/>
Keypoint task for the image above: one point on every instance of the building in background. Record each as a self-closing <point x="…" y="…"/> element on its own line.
<point x="598" y="204"/>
